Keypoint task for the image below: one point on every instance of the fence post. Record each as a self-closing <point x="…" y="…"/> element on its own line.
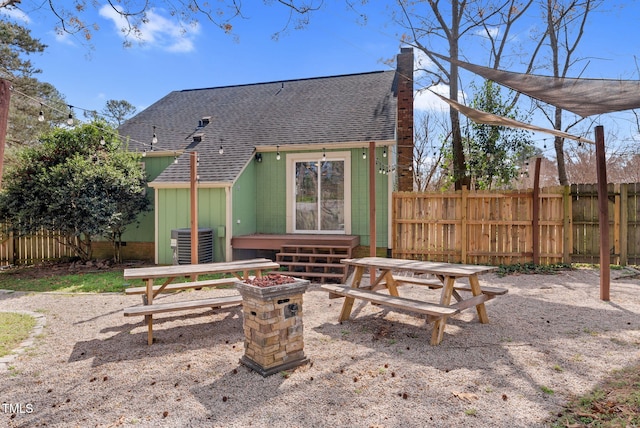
<point x="567" y="225"/>
<point x="624" y="224"/>
<point x="11" y="248"/>
<point x="463" y="224"/>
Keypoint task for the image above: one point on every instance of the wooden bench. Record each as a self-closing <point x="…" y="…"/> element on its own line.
<point x="182" y="286"/>
<point x="429" y="282"/>
<point x="435" y="283"/>
<point x="158" y="308"/>
<point x="239" y="269"/>
<point x="489" y="291"/>
<point x="431" y="309"/>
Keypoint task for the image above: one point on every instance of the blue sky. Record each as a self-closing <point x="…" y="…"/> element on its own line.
<point x="333" y="43"/>
<point x="206" y="57"/>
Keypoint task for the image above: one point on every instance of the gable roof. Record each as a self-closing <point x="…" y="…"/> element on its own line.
<point x="337" y="109"/>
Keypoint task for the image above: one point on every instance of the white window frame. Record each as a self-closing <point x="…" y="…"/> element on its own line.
<point x="291" y="159"/>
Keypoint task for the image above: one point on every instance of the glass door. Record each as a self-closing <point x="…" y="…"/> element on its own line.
<point x="319" y="196"/>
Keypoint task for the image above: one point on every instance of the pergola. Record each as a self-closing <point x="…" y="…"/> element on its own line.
<point x="584" y="97"/>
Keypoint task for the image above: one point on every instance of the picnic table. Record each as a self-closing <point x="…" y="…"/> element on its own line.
<point x="393" y="273"/>
<point x="240" y="269"/>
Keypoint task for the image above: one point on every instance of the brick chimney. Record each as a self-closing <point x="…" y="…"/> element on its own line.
<point x="404" y="126"/>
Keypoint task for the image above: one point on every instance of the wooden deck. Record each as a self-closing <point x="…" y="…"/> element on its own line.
<point x="276" y="242"/>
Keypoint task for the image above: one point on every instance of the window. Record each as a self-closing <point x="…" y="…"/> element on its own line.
<point x="319" y="193"/>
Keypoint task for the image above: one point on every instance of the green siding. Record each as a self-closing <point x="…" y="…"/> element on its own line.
<point x="271" y="194"/>
<point x="244" y="202"/>
<point x="360" y="199"/>
<point x="174" y="209"/>
<point x="144" y="231"/>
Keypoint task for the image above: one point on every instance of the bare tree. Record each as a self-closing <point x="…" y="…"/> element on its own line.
<point x="565" y="26"/>
<point x="453" y="23"/>
<point x="429" y="157"/>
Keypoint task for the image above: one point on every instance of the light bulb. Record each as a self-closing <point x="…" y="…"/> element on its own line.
<point x="364" y="155"/>
<point x="102" y="141"/>
<point x="324" y="155"/>
<point x="70" y="119"/>
<point x="221" y="150"/>
<point x="384" y="153"/>
<point x="277" y="152"/>
<point x="154" y="139"/>
<point x="41" y="116"/>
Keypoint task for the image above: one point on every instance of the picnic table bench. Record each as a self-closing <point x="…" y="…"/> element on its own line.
<point x="240" y="270"/>
<point x="444" y="279"/>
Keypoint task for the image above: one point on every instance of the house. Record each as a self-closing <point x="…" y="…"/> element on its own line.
<point x="277" y="162"/>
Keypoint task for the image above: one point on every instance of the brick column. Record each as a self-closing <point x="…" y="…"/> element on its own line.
<point x="273" y="328"/>
<point x="404" y="76"/>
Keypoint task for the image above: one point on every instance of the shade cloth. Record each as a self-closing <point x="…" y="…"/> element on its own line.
<point x="582" y="96"/>
<point x="495" y="120"/>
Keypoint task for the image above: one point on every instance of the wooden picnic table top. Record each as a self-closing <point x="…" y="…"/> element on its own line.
<point x="434" y="268"/>
<point x="199" y="269"/>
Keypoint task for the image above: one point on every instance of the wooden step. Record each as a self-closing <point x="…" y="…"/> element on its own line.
<point x="279" y="256"/>
<point x="314" y="274"/>
<point x="312" y="264"/>
<point x="312" y="246"/>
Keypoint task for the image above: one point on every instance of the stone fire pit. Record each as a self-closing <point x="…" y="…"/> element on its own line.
<point x="273" y="328"/>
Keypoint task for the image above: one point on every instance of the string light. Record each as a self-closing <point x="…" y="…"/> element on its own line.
<point x="384" y="153"/>
<point x="324" y="155"/>
<point x="102" y="141"/>
<point x="221" y="150"/>
<point x="41" y="114"/>
<point x="364" y="154"/>
<point x="154" y="139"/>
<point x="70" y="118"/>
<point x="277" y="152"/>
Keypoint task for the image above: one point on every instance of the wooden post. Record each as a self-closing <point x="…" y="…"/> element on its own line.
<point x="5" y="98"/>
<point x="616" y="223"/>
<point x="624" y="224"/>
<point x="566" y="225"/>
<point x="464" y="238"/>
<point x="372" y="206"/>
<point x="603" y="214"/>
<point x="194" y="209"/>
<point x="536" y="213"/>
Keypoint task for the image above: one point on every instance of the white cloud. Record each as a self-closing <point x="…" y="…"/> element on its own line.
<point x="16" y="14"/>
<point x="65" y="38"/>
<point x="493" y="32"/>
<point x="157" y="31"/>
<point x="425" y="100"/>
<point x="421" y="63"/>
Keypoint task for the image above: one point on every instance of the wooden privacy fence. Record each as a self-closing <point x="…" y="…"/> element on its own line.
<point x="493" y="227"/>
<point x="39" y="247"/>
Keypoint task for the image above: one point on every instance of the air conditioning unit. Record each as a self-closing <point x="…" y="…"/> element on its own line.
<point x="181" y="245"/>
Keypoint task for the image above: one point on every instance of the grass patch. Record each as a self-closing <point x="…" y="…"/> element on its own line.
<point x="94" y="282"/>
<point x="109" y="281"/>
<point x="14" y="328"/>
<point x="614" y="403"/>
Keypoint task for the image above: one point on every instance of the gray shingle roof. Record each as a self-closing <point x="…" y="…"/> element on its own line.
<point x="348" y="108"/>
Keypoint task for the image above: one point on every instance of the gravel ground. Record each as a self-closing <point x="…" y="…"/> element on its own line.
<point x="549" y="338"/>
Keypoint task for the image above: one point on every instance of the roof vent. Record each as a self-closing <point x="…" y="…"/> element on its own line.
<point x="204" y="121"/>
<point x="197" y="138"/>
